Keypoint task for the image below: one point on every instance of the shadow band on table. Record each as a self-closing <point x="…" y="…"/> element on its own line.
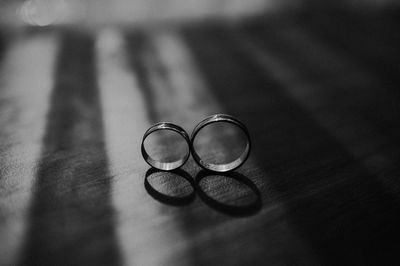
<point x="249" y="208"/>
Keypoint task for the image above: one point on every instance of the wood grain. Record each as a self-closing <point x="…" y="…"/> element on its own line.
<point x="71" y="217"/>
<point x="320" y="100"/>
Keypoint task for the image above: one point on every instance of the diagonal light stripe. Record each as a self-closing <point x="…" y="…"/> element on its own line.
<point x="26" y="78"/>
<point x="191" y="100"/>
<point x="146" y="236"/>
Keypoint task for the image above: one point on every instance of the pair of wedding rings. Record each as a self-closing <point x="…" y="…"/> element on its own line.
<point x="215" y="167"/>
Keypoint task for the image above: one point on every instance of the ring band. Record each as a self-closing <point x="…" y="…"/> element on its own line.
<point x="221" y="167"/>
<point x="165" y="166"/>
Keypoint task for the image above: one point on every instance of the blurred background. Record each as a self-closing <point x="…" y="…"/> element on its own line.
<point x="133" y="12"/>
<point x="316" y="82"/>
<point x="101" y="12"/>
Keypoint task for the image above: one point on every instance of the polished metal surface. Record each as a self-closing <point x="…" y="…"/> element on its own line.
<point x="167" y="166"/>
<point x="226" y="167"/>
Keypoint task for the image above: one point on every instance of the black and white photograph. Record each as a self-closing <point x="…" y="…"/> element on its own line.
<point x="199" y="132"/>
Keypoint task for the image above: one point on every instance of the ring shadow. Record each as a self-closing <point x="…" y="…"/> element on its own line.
<point x="248" y="209"/>
<point x="169" y="199"/>
<point x="230" y="209"/>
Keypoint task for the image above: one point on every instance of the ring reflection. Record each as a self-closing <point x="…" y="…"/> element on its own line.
<point x="231" y="193"/>
<point x="174" y="188"/>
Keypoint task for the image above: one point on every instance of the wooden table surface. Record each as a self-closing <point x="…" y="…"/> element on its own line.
<point x="321" y="99"/>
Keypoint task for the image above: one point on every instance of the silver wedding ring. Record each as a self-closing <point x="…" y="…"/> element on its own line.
<point x="166" y="166"/>
<point x="225" y="167"/>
